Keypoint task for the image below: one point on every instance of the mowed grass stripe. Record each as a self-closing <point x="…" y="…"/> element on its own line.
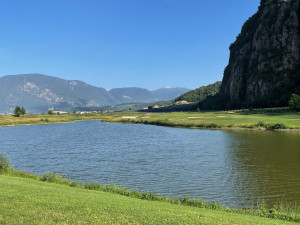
<point x="25" y="201"/>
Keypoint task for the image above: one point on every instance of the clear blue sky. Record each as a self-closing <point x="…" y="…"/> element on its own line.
<point x="121" y="43"/>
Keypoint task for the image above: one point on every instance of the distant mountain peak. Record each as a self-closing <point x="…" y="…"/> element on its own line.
<point x="38" y="92"/>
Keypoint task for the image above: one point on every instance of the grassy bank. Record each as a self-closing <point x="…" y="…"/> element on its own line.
<point x="215" y="120"/>
<point x="27" y="200"/>
<point x="45" y="119"/>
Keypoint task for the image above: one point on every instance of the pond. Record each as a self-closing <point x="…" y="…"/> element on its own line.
<point x="235" y="168"/>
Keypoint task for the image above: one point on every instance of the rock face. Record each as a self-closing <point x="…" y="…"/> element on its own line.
<point x="263" y="68"/>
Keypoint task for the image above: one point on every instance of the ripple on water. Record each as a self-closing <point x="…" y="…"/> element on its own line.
<point x="236" y="168"/>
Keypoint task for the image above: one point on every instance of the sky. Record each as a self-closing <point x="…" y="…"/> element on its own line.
<point x="121" y="43"/>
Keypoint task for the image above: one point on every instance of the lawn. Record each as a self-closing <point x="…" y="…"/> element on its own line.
<point x="256" y="120"/>
<point x="230" y="119"/>
<point x="27" y="201"/>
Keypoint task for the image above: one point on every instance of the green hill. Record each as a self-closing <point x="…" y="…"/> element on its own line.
<point x="201" y="93"/>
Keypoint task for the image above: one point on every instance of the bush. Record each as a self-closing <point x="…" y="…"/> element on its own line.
<point x="271" y="126"/>
<point x="261" y="124"/>
<point x="50" y="177"/>
<point x="294" y="102"/>
<point x="19" y="111"/>
<point x="4" y="163"/>
<point x="277" y="126"/>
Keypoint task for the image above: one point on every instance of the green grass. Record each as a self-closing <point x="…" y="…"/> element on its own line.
<point x="29" y="201"/>
<point x="250" y="120"/>
<point x="45" y="119"/>
<point x="216" y="120"/>
<point x="284" y="212"/>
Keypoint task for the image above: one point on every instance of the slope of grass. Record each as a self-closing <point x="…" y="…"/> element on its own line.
<point x="27" y="201"/>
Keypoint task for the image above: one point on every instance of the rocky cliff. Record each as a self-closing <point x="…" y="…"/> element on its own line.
<point x="263" y="68"/>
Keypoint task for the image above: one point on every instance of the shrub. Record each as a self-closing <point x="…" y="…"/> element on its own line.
<point x="277" y="126"/>
<point x="51" y="177"/>
<point x="271" y="126"/>
<point x="294" y="102"/>
<point x="261" y="124"/>
<point x="4" y="163"/>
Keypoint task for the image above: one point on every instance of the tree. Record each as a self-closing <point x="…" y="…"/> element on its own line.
<point x="294" y="102"/>
<point x="19" y="111"/>
<point x="23" y="111"/>
<point x="50" y="112"/>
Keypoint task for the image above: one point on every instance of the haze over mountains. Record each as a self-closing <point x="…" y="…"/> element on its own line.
<point x="37" y="93"/>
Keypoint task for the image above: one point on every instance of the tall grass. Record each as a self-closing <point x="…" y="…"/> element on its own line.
<point x="4" y="163"/>
<point x="271" y="126"/>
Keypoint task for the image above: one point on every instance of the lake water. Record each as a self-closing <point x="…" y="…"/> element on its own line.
<point x="235" y="168"/>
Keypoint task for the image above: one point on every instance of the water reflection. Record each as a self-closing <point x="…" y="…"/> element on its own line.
<point x="264" y="166"/>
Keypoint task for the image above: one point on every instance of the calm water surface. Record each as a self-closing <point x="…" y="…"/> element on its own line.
<point x="235" y="168"/>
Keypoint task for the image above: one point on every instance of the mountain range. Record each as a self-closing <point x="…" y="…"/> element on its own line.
<point x="37" y="93"/>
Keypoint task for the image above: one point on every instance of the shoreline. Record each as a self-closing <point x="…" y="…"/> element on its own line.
<point x="207" y="128"/>
<point x="163" y="125"/>
<point x="283" y="122"/>
<point x="32" y="124"/>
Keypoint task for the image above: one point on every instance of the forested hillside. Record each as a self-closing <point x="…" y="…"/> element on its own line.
<point x="201" y="93"/>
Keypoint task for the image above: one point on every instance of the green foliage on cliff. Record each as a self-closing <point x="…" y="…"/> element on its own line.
<point x="201" y="93"/>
